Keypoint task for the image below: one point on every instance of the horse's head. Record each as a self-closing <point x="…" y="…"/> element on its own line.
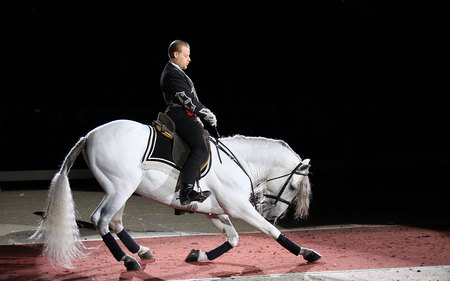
<point x="283" y="190"/>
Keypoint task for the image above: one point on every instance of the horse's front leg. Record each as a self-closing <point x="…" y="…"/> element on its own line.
<point x="224" y="225"/>
<point x="253" y="218"/>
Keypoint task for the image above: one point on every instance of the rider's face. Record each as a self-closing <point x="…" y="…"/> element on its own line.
<point x="182" y="58"/>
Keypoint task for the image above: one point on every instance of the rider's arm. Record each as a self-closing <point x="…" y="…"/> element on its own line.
<point x="182" y="92"/>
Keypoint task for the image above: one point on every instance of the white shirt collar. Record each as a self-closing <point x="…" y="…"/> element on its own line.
<point x="176" y="65"/>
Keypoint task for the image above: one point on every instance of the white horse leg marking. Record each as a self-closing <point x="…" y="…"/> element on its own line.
<point x="224" y="225"/>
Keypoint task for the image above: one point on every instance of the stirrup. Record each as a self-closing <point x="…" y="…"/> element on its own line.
<point x="198" y="196"/>
<point x="203" y="195"/>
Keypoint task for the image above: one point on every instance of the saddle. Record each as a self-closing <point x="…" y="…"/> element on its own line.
<point x="166" y="146"/>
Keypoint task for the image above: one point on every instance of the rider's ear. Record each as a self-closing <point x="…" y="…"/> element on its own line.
<point x="175" y="54"/>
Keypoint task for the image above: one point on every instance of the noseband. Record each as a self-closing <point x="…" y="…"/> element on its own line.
<point x="278" y="197"/>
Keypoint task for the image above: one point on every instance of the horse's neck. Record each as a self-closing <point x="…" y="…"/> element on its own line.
<point x="260" y="156"/>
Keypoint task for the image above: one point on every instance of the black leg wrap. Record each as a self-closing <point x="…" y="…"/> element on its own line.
<point x="113" y="247"/>
<point x="128" y="241"/>
<point x="289" y="245"/>
<point x="217" y="252"/>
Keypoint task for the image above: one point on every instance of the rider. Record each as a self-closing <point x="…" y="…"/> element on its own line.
<point x="184" y="107"/>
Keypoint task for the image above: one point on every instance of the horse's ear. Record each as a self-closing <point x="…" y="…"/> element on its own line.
<point x="304" y="167"/>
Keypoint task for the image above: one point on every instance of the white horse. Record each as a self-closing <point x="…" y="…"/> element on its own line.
<point x="114" y="153"/>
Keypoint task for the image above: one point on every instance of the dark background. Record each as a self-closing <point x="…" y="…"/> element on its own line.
<point x="357" y="86"/>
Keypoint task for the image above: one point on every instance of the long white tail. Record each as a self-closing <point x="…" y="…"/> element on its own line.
<point x="59" y="227"/>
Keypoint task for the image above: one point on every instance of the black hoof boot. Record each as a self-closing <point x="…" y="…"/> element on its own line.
<point x="188" y="194"/>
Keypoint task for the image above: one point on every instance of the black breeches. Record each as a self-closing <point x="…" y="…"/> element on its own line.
<point x="191" y="131"/>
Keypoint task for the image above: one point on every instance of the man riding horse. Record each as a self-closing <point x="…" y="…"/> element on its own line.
<point x="184" y="107"/>
<point x="113" y="153"/>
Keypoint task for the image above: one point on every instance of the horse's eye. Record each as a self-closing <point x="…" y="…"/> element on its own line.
<point x="291" y="187"/>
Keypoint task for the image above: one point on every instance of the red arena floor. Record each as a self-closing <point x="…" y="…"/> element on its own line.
<point x="341" y="249"/>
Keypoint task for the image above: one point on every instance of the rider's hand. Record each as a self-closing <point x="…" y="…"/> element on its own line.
<point x="209" y="116"/>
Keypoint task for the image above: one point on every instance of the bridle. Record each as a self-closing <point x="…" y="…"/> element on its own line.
<point x="290" y="175"/>
<point x="229" y="153"/>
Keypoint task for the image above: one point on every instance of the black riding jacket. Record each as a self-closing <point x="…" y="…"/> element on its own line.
<point x="179" y="91"/>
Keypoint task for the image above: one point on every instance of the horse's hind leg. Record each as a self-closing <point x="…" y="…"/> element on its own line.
<point x="116" y="226"/>
<point x="101" y="218"/>
<point x="224" y="225"/>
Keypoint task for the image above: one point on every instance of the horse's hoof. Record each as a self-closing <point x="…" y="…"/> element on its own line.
<point x="193" y="256"/>
<point x="145" y="254"/>
<point x="130" y="263"/>
<point x="311" y="256"/>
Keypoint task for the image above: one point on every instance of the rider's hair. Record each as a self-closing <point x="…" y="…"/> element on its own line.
<point x="175" y="46"/>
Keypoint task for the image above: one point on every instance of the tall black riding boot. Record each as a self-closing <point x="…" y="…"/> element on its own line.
<point x="188" y="194"/>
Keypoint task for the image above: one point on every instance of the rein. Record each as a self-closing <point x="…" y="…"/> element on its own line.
<point x="221" y="146"/>
<point x="230" y="154"/>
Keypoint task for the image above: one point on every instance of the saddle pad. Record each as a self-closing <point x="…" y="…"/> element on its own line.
<point x="158" y="155"/>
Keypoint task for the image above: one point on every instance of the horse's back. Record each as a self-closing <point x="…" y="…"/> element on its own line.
<point x="118" y="125"/>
